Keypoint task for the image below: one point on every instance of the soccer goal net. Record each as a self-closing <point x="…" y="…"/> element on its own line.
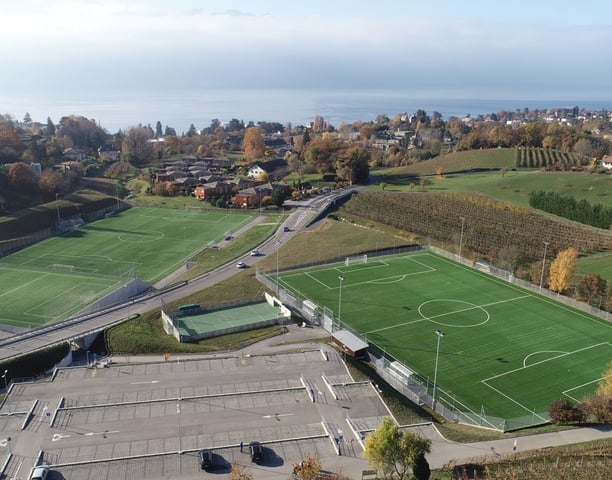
<point x="356" y="259"/>
<point x="193" y="208"/>
<point x="59" y="267"/>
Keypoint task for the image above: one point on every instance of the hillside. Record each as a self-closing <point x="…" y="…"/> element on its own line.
<point x="505" y="235"/>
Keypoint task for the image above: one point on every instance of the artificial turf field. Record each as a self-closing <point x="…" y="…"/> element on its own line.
<point x="507" y="353"/>
<point x="56" y="278"/>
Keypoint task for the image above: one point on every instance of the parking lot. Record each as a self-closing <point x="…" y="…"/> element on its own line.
<point x="130" y="421"/>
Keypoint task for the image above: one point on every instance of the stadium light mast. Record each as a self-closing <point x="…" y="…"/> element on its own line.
<point x="278" y="243"/>
<point x="543" y="266"/>
<point x="341" y="278"/>
<point x="439" y="334"/>
<point x="461" y="236"/>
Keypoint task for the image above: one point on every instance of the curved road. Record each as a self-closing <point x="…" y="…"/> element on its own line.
<point x="23" y="344"/>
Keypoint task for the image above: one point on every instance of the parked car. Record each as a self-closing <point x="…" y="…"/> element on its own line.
<point x="40" y="472"/>
<point x="256" y="452"/>
<point x="207" y="459"/>
<point x="286" y="229"/>
<point x="241" y="265"/>
<point x="255" y="253"/>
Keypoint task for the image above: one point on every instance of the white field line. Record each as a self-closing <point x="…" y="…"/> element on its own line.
<point x="474" y="307"/>
<point x="511" y="286"/>
<point x="564" y="354"/>
<point x="12" y="290"/>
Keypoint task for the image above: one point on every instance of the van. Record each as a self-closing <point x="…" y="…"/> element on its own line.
<point x="206" y="459"/>
<point x="40" y="472"/>
<point x="256" y="452"/>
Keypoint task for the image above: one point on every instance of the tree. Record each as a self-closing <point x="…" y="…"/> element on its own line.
<point x="564" y="411"/>
<point x="21" y="176"/>
<point x="50" y="127"/>
<point x="393" y="453"/>
<point x="562" y="269"/>
<point x="27" y="118"/>
<point x="253" y="144"/>
<point x="136" y="148"/>
<point x="308" y="469"/>
<point x="605" y="386"/>
<point x="238" y="472"/>
<point x="158" y="129"/>
<point x="593" y="288"/>
<point x="50" y="183"/>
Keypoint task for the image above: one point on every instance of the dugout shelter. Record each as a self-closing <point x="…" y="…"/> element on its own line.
<point x="351" y="344"/>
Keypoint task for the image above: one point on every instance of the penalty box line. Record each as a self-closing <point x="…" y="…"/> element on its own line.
<point x="486" y="380"/>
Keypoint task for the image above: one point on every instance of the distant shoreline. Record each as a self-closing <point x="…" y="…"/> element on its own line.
<point x="179" y="109"/>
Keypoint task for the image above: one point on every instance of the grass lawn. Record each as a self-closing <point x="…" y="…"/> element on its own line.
<point x="514" y="187"/>
<point x="507" y="353"/>
<point x="57" y="277"/>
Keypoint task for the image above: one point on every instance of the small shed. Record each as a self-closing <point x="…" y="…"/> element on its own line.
<point x="350" y="343"/>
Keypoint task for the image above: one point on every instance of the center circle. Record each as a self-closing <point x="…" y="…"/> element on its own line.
<point x="139" y="237"/>
<point x="453" y="313"/>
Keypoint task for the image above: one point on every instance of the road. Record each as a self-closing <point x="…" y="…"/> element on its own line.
<point x="29" y="342"/>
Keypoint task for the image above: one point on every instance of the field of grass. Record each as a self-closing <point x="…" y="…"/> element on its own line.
<point x="57" y="277"/>
<point x="515" y="186"/>
<point x="507" y="353"/>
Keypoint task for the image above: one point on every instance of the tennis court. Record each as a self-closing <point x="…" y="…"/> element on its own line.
<point x="56" y="278"/>
<point x="506" y="352"/>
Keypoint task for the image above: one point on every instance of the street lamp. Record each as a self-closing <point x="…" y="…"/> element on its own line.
<point x="461" y="236"/>
<point x="543" y="266"/>
<point x="440" y="334"/>
<point x="341" y="278"/>
<point x="277" y="249"/>
<point x="87" y="354"/>
<point x="5" y="381"/>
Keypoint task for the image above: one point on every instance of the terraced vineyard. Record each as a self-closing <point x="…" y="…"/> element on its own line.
<point x="489" y="225"/>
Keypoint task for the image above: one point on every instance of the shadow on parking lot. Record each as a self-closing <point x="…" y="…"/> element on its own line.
<point x="271" y="459"/>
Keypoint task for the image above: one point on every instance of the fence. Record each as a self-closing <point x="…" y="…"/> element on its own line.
<point x="13" y="245"/>
<point x="413" y="385"/>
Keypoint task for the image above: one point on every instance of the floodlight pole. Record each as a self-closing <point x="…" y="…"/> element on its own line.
<point x="178" y="406"/>
<point x="440" y="334"/>
<point x="461" y="237"/>
<point x="340" y="278"/>
<point x="543" y="266"/>
<point x="277" y="249"/>
<point x="185" y="246"/>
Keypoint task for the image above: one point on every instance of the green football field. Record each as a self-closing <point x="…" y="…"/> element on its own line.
<point x="56" y="278"/>
<point x="506" y="352"/>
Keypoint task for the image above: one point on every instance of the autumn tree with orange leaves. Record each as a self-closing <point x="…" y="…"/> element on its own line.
<point x="253" y="145"/>
<point x="561" y="269"/>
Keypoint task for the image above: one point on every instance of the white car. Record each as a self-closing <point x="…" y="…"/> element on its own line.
<point x="255" y="253"/>
<point x="241" y="265"/>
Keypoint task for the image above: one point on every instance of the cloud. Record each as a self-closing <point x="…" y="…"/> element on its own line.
<point x="132" y="43"/>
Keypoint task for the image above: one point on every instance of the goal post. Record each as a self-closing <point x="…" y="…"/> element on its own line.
<point x="193" y="208"/>
<point x="357" y="259"/>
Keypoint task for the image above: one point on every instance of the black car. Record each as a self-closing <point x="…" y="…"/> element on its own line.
<point x="256" y="452"/>
<point x="206" y="459"/>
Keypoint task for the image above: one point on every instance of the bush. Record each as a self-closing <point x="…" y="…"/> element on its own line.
<point x="564" y="411"/>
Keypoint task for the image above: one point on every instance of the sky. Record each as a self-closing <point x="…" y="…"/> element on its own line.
<point x="531" y="49"/>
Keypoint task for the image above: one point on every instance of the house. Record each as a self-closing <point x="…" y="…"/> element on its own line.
<point x="252" y="196"/>
<point x="606" y="162"/>
<point x="212" y="190"/>
<point x="256" y="171"/>
<point x="106" y="153"/>
<point x="73" y="154"/>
